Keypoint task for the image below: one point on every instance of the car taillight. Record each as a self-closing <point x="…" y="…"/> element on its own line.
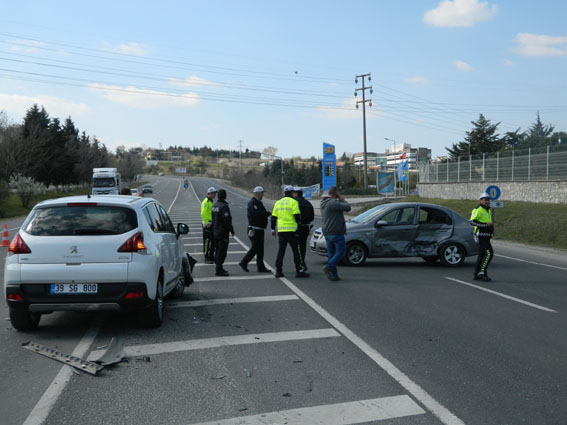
<point x="15" y="297"/>
<point x="18" y="246"/>
<point x="134" y="295"/>
<point x="134" y="244"/>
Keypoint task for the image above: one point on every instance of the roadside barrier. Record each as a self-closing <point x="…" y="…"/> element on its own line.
<point x="5" y="237"/>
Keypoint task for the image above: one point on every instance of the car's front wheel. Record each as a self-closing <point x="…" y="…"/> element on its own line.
<point x="356" y="254"/>
<point x="452" y="254"/>
<point x="152" y="316"/>
<point x="23" y="320"/>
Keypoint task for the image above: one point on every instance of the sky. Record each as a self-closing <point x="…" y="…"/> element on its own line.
<point x="282" y="74"/>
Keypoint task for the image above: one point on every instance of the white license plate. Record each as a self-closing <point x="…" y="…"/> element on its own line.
<point x="312" y="244"/>
<point x="74" y="288"/>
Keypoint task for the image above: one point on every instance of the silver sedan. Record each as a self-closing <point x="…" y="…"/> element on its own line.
<point x="408" y="229"/>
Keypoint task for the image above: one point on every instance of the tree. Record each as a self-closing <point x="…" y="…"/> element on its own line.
<point x="481" y="139"/>
<point x="538" y="135"/>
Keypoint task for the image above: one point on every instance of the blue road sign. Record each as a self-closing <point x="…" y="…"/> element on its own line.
<point x="494" y="192"/>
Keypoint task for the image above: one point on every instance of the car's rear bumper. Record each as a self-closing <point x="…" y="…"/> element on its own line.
<point x="110" y="297"/>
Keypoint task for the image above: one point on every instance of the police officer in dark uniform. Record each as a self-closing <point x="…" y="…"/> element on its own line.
<point x="307" y="216"/>
<point x="222" y="228"/>
<point x="257" y="222"/>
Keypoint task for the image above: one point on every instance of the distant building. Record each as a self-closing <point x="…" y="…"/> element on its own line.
<point x="405" y="152"/>
<point x="373" y="159"/>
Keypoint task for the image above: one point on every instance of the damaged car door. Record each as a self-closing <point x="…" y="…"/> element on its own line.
<point x="395" y="233"/>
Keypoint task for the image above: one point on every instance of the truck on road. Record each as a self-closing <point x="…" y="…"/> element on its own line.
<point x="106" y="181"/>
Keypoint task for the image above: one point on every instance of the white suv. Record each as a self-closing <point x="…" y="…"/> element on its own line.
<point x="95" y="253"/>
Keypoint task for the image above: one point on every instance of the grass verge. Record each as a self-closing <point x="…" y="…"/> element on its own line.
<point x="12" y="206"/>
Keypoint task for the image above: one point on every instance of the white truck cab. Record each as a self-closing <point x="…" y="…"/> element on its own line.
<point x="106" y="181"/>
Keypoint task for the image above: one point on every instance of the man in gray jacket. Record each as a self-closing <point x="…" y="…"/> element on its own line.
<point x="333" y="207"/>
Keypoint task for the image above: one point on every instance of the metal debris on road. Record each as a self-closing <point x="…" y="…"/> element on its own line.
<point x="218" y="377"/>
<point x="143" y="359"/>
<point x="112" y="355"/>
<point x="286" y="394"/>
<point x="298" y="361"/>
<point x="248" y="373"/>
<point x="244" y="409"/>
<point x="67" y="359"/>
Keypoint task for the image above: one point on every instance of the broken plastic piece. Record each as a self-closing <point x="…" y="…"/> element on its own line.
<point x="112" y="355"/>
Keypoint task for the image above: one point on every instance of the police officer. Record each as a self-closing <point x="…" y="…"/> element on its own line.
<point x="222" y="227"/>
<point x="287" y="216"/>
<point x="307" y="216"/>
<point x="206" y="216"/>
<point x="481" y="219"/>
<point x="257" y="222"/>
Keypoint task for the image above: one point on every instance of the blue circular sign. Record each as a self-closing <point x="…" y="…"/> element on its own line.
<point x="494" y="192"/>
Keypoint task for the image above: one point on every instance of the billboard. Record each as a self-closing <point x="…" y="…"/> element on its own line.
<point x="329" y="166"/>
<point x="386" y="182"/>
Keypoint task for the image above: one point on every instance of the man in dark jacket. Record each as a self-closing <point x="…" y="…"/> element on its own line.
<point x="307" y="216"/>
<point x="333" y="207"/>
<point x="257" y="222"/>
<point x="222" y="227"/>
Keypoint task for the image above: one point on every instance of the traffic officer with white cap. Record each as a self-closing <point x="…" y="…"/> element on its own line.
<point x="257" y="222"/>
<point x="287" y="216"/>
<point x="481" y="219"/>
<point x="207" y="217"/>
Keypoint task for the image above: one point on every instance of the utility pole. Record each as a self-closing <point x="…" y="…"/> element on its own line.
<point x="364" y="101"/>
<point x="240" y="155"/>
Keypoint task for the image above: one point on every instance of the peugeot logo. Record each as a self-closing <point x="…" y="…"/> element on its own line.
<point x="73" y="249"/>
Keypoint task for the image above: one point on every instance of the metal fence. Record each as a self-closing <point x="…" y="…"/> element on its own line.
<point x="549" y="163"/>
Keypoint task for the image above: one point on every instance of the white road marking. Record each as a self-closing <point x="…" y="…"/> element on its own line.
<point x="176" y="195"/>
<point x="227" y="263"/>
<point x="253" y="277"/>
<point x="41" y="410"/>
<point x="518" y="300"/>
<point x="192" y="237"/>
<point x="354" y="412"/>
<point x="223" y="341"/>
<point x="199" y="303"/>
<point x="229" y="252"/>
<point x="531" y="262"/>
<point x="200" y="244"/>
<point x="440" y="411"/>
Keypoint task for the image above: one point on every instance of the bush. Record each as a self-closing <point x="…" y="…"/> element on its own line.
<point x="4" y="193"/>
<point x="26" y="188"/>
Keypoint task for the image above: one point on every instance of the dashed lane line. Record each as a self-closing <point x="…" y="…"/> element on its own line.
<point x="518" y="300"/>
<point x="239" y="300"/>
<point x="224" y="341"/>
<point x="353" y="412"/>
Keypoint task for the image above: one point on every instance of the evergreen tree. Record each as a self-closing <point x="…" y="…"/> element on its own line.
<point x="483" y="138"/>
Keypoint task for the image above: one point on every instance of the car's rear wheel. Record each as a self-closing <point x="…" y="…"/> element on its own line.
<point x="452" y="254"/>
<point x="432" y="259"/>
<point x="152" y="316"/>
<point x="23" y="320"/>
<point x="356" y="254"/>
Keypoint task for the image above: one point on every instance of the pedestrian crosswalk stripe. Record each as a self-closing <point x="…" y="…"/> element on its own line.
<point x="253" y="277"/>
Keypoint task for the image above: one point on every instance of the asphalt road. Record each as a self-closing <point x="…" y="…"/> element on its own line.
<point x="396" y="341"/>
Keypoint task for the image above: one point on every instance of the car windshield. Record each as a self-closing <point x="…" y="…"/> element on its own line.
<point x="369" y="215"/>
<point x="73" y="220"/>
<point x="103" y="182"/>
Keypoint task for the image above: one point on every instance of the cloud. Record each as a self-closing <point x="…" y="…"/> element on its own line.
<point x="463" y="66"/>
<point x="55" y="106"/>
<point x="193" y="81"/>
<point x="347" y="110"/>
<point x="508" y="62"/>
<point x="540" y="45"/>
<point x="29" y="47"/>
<point x="143" y="98"/>
<point x="417" y="80"/>
<point x="133" y="49"/>
<point x="459" y="13"/>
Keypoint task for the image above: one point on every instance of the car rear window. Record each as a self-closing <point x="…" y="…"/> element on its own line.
<point x="75" y="220"/>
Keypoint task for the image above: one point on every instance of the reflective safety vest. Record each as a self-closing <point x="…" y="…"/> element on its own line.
<point x="482" y="215"/>
<point x="284" y="211"/>
<point x="206" y="211"/>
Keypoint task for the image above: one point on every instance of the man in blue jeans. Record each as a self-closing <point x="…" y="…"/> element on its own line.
<point x="333" y="208"/>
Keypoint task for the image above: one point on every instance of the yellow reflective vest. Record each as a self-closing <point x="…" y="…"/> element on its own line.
<point x="206" y="211"/>
<point x="284" y="210"/>
<point x="479" y="217"/>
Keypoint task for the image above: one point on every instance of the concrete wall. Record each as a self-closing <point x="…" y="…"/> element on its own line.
<point x="553" y="192"/>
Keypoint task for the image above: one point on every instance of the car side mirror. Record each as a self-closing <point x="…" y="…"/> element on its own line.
<point x="380" y="223"/>
<point x="182" y="229"/>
